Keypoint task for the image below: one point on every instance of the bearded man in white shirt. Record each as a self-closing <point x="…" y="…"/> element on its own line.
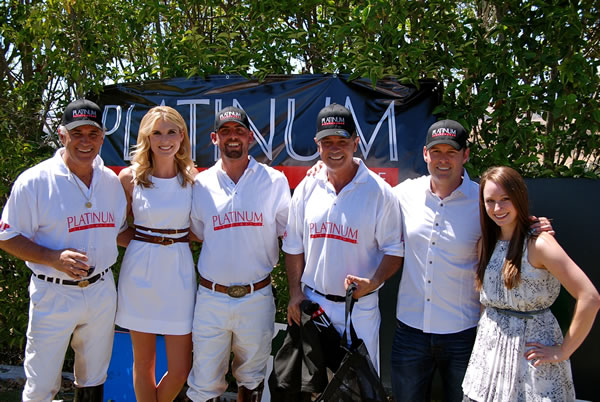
<point x="239" y="210"/>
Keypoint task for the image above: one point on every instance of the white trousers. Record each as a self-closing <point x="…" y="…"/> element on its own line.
<point x="55" y="313"/>
<point x="366" y="319"/>
<point x="223" y="324"/>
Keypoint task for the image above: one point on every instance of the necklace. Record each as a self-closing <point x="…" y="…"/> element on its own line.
<point x="88" y="203"/>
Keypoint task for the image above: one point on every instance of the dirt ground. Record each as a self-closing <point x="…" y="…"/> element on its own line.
<point x="10" y="390"/>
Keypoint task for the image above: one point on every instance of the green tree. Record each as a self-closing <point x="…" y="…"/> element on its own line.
<point x="522" y="75"/>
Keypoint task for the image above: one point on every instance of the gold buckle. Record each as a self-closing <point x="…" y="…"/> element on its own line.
<point x="83" y="284"/>
<point x="237" y="291"/>
<point x="167" y="241"/>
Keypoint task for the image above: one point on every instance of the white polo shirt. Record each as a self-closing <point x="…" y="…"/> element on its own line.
<point x="239" y="224"/>
<point x="345" y="233"/>
<point x="437" y="290"/>
<point x="47" y="206"/>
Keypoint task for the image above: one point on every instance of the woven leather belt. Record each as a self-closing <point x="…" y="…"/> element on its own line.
<point x="82" y="283"/>
<point x="162" y="240"/>
<point x="235" y="290"/>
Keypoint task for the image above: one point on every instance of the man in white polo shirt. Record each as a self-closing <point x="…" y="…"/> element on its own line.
<point x="62" y="218"/>
<point x="343" y="227"/>
<point x="239" y="210"/>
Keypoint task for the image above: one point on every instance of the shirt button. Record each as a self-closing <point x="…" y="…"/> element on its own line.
<point x="431" y="262"/>
<point x="428" y="281"/>
<point x="433" y="243"/>
<point x="441" y="205"/>
<point x="437" y="224"/>
<point x="427" y="299"/>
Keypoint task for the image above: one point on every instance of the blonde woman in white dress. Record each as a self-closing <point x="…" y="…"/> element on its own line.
<point x="157" y="282"/>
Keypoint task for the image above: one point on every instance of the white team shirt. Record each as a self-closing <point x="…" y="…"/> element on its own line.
<point x="437" y="290"/>
<point x="47" y="207"/>
<point x="345" y="233"/>
<point x="239" y="224"/>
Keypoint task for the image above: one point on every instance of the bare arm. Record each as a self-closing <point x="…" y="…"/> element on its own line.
<point x="545" y="252"/>
<point x="125" y="237"/>
<point x="388" y="267"/>
<point x="126" y="179"/>
<point x="479" y="252"/>
<point x="69" y="261"/>
<point x="193" y="237"/>
<point x="294" y="266"/>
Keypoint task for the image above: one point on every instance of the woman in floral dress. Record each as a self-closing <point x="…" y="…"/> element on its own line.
<point x="519" y="352"/>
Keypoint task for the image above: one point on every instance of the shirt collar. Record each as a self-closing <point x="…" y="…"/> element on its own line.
<point x="252" y="165"/>
<point x="61" y="166"/>
<point x="464" y="189"/>
<point x="361" y="175"/>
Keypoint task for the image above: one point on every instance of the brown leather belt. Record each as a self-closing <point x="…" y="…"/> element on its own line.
<point x="235" y="290"/>
<point x="163" y="231"/>
<point x="162" y="240"/>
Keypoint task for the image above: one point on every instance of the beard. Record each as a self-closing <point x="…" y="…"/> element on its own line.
<point x="232" y="153"/>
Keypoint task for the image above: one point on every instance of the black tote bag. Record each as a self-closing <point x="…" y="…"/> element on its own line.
<point x="356" y="380"/>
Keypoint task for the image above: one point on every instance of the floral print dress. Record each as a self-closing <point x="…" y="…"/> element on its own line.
<point x="498" y="370"/>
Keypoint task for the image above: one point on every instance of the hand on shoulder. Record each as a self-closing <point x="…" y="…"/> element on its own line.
<point x="315" y="169"/>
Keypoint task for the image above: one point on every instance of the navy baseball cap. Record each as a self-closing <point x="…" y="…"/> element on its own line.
<point x="231" y="113"/>
<point x="82" y="112"/>
<point x="447" y="132"/>
<point x="335" y="120"/>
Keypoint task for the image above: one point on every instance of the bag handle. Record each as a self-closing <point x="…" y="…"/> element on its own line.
<point x="350" y="300"/>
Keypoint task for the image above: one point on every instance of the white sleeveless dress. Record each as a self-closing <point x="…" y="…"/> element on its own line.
<point x="498" y="370"/>
<point x="157" y="284"/>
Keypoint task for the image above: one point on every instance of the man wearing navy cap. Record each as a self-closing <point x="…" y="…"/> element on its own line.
<point x="240" y="209"/>
<point x="438" y="308"/>
<point x="343" y="227"/>
<point x="62" y="218"/>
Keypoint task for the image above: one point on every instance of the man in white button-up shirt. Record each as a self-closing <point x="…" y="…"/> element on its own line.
<point x="438" y="307"/>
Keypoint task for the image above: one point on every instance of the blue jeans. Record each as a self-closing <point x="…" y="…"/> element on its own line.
<point x="416" y="355"/>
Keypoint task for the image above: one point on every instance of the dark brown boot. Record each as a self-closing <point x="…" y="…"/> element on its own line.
<point x="250" y="395"/>
<point x="89" y="394"/>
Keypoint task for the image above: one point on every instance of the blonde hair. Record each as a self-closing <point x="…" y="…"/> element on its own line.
<point x="142" y="154"/>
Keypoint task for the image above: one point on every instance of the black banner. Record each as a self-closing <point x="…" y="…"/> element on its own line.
<point x="391" y="118"/>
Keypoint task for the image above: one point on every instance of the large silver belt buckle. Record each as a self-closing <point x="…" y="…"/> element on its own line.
<point x="83" y="284"/>
<point x="237" y="291"/>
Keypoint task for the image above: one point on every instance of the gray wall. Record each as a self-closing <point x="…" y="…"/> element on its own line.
<point x="574" y="206"/>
